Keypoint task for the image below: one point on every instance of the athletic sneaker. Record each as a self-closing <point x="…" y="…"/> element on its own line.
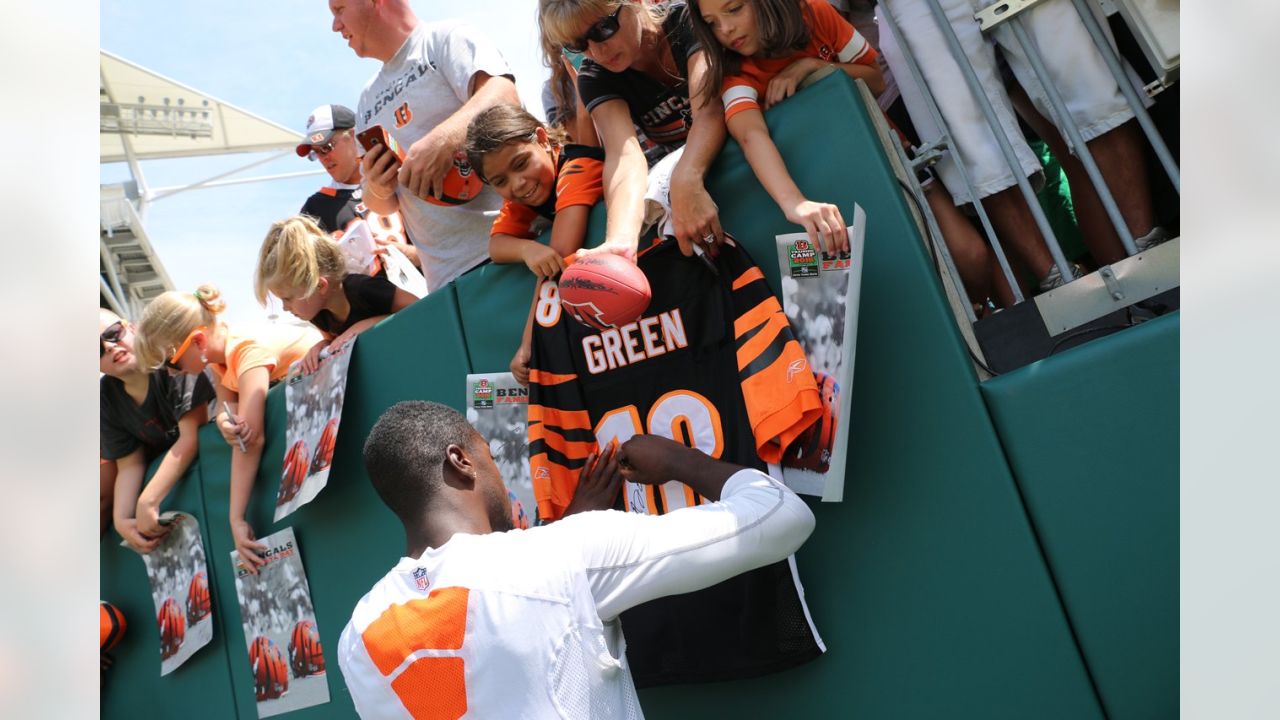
<point x="1054" y="279"/>
<point x="1151" y="239"/>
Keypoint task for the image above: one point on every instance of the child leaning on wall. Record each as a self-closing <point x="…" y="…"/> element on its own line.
<point x="181" y="331"/>
<point x="540" y="179"/>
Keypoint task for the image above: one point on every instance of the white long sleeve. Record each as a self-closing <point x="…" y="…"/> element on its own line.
<point x="631" y="559"/>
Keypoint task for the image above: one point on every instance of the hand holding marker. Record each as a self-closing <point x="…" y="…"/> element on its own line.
<point x="226" y="407"/>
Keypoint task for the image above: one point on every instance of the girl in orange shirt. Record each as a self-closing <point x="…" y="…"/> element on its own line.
<point x="181" y="331"/>
<point x="766" y="48"/>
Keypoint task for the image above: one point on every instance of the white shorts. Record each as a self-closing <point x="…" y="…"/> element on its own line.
<point x="1092" y="97"/>
<point x="657" y="196"/>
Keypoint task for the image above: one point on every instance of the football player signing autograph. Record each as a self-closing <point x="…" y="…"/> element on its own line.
<point x="478" y="618"/>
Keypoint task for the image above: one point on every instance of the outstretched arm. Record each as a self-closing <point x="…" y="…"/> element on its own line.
<point x="631" y="558"/>
<point x="175" y="463"/>
<point x="822" y="221"/>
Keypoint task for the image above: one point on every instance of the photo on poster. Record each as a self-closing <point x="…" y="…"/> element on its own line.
<point x="179" y="580"/>
<point x="498" y="407"/>
<point x="358" y="248"/>
<point x="403" y="273"/>
<point x="313" y="407"/>
<point x="286" y="658"/>
<point x="820" y="294"/>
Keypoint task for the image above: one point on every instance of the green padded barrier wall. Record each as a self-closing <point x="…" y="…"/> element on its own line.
<point x="134" y="680"/>
<point x="1092" y="436"/>
<point x="347" y="536"/>
<point x="926" y="582"/>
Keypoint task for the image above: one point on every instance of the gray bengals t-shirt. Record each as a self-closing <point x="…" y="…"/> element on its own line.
<point x="425" y="83"/>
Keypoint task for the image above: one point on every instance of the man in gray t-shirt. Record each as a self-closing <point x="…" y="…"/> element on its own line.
<point x="435" y="77"/>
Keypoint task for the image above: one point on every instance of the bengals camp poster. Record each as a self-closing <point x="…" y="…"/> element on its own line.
<point x="285" y="658"/>
<point x="820" y="295"/>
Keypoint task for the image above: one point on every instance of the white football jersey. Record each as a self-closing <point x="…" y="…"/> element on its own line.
<point x="524" y="623"/>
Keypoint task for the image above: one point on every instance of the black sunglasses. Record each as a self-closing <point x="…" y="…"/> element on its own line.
<point x="112" y="335"/>
<point x="602" y="30"/>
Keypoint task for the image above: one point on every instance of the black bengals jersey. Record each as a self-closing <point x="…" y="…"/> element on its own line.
<point x="712" y="363"/>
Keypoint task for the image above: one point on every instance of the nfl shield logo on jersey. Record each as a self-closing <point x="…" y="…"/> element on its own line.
<point x="420" y="578"/>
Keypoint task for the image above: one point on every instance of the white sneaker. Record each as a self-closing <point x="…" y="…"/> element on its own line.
<point x="1151" y="239"/>
<point x="1054" y="279"/>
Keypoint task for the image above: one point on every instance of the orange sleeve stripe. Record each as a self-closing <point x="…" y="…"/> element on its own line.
<point x="542" y="377"/>
<point x="581" y="182"/>
<point x="573" y="449"/>
<point x="566" y="419"/>
<point x="433" y="688"/>
<point x="436" y="622"/>
<point x="761" y="341"/>
<point x="751" y="275"/>
<point x="756" y="316"/>
<point x="514" y="219"/>
<point x="779" y="412"/>
<point x="553" y="486"/>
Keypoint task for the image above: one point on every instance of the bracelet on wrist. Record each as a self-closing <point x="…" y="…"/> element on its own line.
<point x="379" y="195"/>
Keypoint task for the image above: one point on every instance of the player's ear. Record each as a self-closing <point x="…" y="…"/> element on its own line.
<point x="460" y="470"/>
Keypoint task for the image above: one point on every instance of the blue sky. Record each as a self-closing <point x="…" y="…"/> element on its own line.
<point x="278" y="60"/>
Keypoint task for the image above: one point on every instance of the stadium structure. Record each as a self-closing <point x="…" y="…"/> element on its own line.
<point x="147" y="116"/>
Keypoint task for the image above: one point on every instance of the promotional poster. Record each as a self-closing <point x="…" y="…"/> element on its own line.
<point x="179" y="581"/>
<point x="286" y="658"/>
<point x="820" y="295"/>
<point x="498" y="407"/>
<point x="313" y="404"/>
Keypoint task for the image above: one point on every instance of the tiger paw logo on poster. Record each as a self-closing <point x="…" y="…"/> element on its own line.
<point x="482" y="395"/>
<point x="802" y="259"/>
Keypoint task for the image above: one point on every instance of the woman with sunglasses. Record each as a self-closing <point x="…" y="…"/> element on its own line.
<point x="142" y="414"/>
<point x="641" y="60"/>
<point x="181" y="331"/>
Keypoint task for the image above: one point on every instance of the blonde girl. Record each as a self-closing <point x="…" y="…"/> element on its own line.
<point x="181" y="332"/>
<point x="301" y="265"/>
<point x="641" y="60"/>
<point x="540" y="180"/>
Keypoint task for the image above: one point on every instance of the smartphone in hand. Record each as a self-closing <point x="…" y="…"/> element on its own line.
<point x="377" y="135"/>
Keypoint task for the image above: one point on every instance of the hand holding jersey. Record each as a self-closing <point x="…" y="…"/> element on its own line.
<point x="600" y="482"/>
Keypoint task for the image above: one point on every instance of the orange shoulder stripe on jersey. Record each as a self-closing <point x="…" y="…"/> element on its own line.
<point x="566" y="419"/>
<point x="433" y="688"/>
<point x="573" y="449"/>
<point x="542" y="377"/>
<point x="331" y="192"/>
<point x="756" y="316"/>
<point x="436" y="622"/>
<point x="749" y="276"/>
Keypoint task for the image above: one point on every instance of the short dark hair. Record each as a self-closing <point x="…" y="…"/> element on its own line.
<point x="405" y="454"/>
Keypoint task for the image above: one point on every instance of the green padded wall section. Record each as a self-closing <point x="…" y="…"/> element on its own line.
<point x="1092" y="436"/>
<point x="347" y="536"/>
<point x="926" y="582"/>
<point x="134" y="680"/>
